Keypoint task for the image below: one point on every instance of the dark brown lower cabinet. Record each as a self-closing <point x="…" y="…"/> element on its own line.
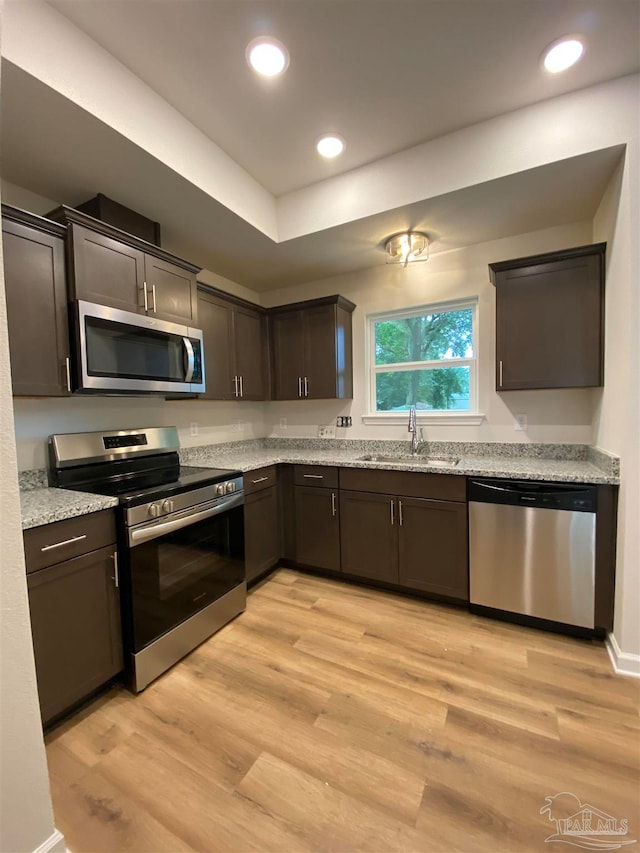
<point x="317" y="527"/>
<point x="261" y="531"/>
<point x="75" y="624"/>
<point x="369" y="535"/>
<point x="432" y="547"/>
<point x="416" y="543"/>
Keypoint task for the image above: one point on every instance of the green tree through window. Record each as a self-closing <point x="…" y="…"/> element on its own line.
<point x="424" y="359"/>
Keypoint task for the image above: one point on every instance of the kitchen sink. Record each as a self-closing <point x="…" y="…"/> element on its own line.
<point x="411" y="460"/>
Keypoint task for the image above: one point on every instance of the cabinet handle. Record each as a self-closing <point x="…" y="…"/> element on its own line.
<point x="146" y="302"/>
<point x="235" y="386"/>
<point x="392" y="512"/>
<point x="313" y="476"/>
<point x="260" y="480"/>
<point x="68" y="373"/>
<point x="306" y="387"/>
<point x="241" y="387"/>
<point x="153" y="294"/>
<point x="116" y="573"/>
<point x="299" y="386"/>
<point x="500" y="366"/>
<point x="66" y="542"/>
<point x="400" y="512"/>
<point x="333" y="504"/>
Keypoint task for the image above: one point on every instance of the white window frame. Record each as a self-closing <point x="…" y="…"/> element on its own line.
<point x="471" y="417"/>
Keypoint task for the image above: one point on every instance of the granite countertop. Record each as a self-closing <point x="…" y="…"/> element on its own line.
<point x="43" y="505"/>
<point x="555" y="470"/>
<point x="556" y="463"/>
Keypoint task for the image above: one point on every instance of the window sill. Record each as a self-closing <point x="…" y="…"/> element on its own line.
<point x="424" y="418"/>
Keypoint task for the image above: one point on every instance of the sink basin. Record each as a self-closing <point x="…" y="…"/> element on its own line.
<point x="412" y="460"/>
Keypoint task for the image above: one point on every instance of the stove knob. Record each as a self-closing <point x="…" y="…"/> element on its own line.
<point x="167" y="505"/>
<point x="230" y="487"/>
<point x="220" y="490"/>
<point x="154" y="510"/>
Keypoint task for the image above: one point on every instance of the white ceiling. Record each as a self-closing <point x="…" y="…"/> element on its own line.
<point x="387" y="74"/>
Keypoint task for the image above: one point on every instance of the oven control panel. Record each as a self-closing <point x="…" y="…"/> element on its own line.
<point x="178" y="502"/>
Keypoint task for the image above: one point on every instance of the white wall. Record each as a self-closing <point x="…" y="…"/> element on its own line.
<point x="553" y="416"/>
<point x="616" y="424"/>
<point x="26" y="817"/>
<point x="35" y="419"/>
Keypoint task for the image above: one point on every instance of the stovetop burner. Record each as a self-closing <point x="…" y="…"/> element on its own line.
<point x="116" y="464"/>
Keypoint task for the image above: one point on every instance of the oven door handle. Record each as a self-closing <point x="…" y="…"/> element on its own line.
<point x="153" y="531"/>
<point x="191" y="361"/>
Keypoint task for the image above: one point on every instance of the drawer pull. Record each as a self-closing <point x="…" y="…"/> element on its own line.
<point x="313" y="476"/>
<point x="259" y="480"/>
<point x="333" y="504"/>
<point x="66" y="542"/>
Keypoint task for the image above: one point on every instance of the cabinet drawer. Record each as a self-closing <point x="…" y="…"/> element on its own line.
<point x="443" y="487"/>
<point x="316" y="475"/>
<point x="62" y="540"/>
<point x="263" y="478"/>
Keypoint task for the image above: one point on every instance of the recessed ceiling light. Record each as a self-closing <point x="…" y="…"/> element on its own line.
<point x="563" y="53"/>
<point x="267" y="56"/>
<point x="330" y="145"/>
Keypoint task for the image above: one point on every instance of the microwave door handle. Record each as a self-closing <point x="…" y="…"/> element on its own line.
<point x="191" y="360"/>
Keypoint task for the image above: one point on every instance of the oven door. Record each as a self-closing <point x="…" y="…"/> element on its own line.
<point x="182" y="563"/>
<point x="120" y="352"/>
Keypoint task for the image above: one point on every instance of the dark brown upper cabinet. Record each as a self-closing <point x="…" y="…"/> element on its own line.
<point x="34" y="271"/>
<point x="110" y="267"/>
<point x="235" y="347"/>
<point x="550" y="319"/>
<point x="312" y="350"/>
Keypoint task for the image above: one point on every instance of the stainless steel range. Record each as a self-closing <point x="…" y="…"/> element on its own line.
<point x="180" y="539"/>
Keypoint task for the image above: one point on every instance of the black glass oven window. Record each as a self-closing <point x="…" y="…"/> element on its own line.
<point x="119" y="350"/>
<point x="178" y="574"/>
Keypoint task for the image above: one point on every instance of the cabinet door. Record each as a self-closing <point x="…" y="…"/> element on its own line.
<point x="320" y="352"/>
<point x="107" y="271"/>
<point x="36" y="297"/>
<point x="261" y="532"/>
<point x="432" y="547"/>
<point x="288" y="355"/>
<point x="369" y="535"/>
<point x="75" y="624"/>
<point x="251" y="354"/>
<point x="317" y="527"/>
<point x="216" y="323"/>
<point x="172" y="292"/>
<point x="549" y="325"/>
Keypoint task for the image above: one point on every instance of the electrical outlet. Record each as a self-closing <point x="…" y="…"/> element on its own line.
<point x="326" y="431"/>
<point x="520" y="424"/>
<point x="193" y="427"/>
<point x="283" y="423"/>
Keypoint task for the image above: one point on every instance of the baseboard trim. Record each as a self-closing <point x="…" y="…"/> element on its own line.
<point x="55" y="843"/>
<point x="623" y="663"/>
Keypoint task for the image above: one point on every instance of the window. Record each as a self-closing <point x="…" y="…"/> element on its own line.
<point x="425" y="357"/>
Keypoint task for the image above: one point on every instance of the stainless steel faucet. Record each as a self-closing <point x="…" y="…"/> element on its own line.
<point x="413" y="429"/>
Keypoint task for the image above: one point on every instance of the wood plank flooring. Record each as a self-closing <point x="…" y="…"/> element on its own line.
<point x="334" y="717"/>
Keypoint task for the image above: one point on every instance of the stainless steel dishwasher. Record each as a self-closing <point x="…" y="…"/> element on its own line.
<point x="532" y="549"/>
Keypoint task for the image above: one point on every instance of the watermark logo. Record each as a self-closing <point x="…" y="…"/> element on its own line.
<point x="583" y="825"/>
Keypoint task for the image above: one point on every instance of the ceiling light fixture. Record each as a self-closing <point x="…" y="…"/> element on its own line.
<point x="407" y="247"/>
<point x="562" y="53"/>
<point x="330" y="145"/>
<point x="267" y="56"/>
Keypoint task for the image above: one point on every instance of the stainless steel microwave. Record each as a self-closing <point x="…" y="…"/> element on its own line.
<point x="119" y="352"/>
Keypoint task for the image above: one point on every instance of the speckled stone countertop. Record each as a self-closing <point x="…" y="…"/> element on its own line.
<point x="43" y="505"/>
<point x="568" y="463"/>
<point x="557" y="463"/>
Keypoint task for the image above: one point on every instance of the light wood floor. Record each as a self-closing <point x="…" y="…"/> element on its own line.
<point x="332" y="717"/>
